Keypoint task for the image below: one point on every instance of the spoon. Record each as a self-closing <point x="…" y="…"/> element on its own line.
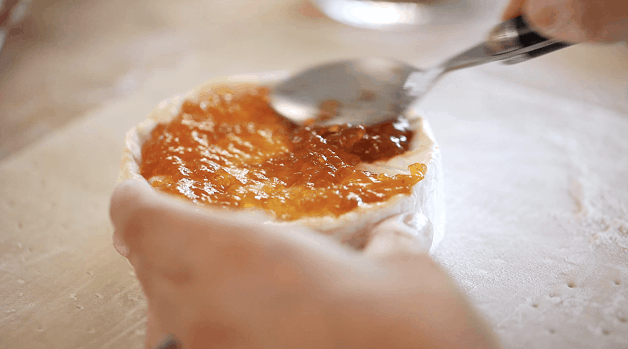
<point x="373" y="90"/>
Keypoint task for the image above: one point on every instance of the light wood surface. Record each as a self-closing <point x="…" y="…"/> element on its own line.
<point x="83" y="72"/>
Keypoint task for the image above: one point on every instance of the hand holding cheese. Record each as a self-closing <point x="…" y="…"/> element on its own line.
<point x="575" y="20"/>
<point x="225" y="281"/>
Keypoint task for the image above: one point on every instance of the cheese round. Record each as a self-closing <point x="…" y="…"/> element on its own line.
<point x="419" y="215"/>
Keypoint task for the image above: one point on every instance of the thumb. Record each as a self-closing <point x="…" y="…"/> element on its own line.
<point x="579" y="20"/>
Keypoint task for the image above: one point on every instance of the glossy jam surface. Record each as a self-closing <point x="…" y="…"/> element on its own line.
<point x="229" y="148"/>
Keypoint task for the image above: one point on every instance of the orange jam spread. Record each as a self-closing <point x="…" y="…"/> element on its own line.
<point x="228" y="147"/>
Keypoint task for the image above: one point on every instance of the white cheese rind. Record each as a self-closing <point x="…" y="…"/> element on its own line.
<point x="419" y="216"/>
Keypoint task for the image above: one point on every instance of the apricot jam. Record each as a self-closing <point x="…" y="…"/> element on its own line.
<point x="228" y="147"/>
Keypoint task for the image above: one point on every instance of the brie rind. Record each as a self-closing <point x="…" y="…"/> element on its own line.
<point x="418" y="216"/>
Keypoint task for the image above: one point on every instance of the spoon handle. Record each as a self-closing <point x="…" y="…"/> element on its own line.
<point x="512" y="41"/>
<point x="518" y="42"/>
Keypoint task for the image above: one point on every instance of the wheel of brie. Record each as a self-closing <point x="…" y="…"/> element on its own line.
<point x="221" y="148"/>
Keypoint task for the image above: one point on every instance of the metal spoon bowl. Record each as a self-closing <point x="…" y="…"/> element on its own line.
<point x="368" y="90"/>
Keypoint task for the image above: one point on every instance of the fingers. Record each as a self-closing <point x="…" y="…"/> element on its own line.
<point x="126" y="199"/>
<point x="136" y="209"/>
<point x="146" y="222"/>
<point x="513" y="9"/>
<point x="575" y="20"/>
<point x="158" y="227"/>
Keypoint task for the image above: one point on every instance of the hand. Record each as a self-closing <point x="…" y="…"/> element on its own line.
<point x="575" y="20"/>
<point x="223" y="280"/>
